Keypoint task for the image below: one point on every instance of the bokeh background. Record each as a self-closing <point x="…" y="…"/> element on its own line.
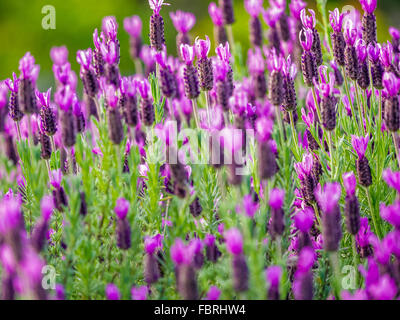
<point x="21" y="27"/>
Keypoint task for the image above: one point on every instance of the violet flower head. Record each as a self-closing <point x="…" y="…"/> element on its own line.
<point x="271" y="16"/>
<point x="295" y="7"/>
<point x="364" y="233"/>
<point x="392" y="179"/>
<point x="304" y="219"/>
<point x="304" y="168"/>
<point x="183" y="21"/>
<point x="27" y="66"/>
<point x="234" y="241"/>
<point x="64" y="97"/>
<point x="273" y="275"/>
<point x="110" y="27"/>
<point x="47" y="207"/>
<point x="350" y="33"/>
<point x="276" y="198"/>
<point x="213" y="293"/>
<point x="223" y="52"/>
<point x="161" y="58"/>
<point x="350" y="183"/>
<point x="139" y="293"/>
<point x="150" y="245"/>
<point x="360" y="145"/>
<point x="308" y="118"/>
<point x="56" y="177"/>
<point x="361" y="50"/>
<point x="10" y="213"/>
<point x="121" y="208"/>
<point x="180" y="253"/>
<point x="368" y="6"/>
<point x="221" y="70"/>
<point x="391" y="83"/>
<point x="43" y="98"/>
<point x="387" y="54"/>
<point x="250" y="207"/>
<point x="133" y="26"/>
<point x="253" y="7"/>
<point x="59" y="55"/>
<point x="384" y="289"/>
<point x="112" y="292"/>
<point x="202" y="47"/>
<point x="216" y="14"/>
<point x="336" y="20"/>
<point x="109" y="52"/>
<point x="13" y="84"/>
<point x="374" y="52"/>
<point x="111" y="96"/>
<point x="306" y="39"/>
<point x="394" y="33"/>
<point x="156" y="5"/>
<point x="391" y="214"/>
<point x="306" y="259"/>
<point x="255" y="61"/>
<point x="84" y="58"/>
<point x="309" y="21"/>
<point x="187" y="53"/>
<point x="144" y="89"/>
<point x="328" y="197"/>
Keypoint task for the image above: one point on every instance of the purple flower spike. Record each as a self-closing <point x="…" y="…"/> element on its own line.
<point x="349" y="182"/>
<point x="304" y="219"/>
<point x="213" y="293"/>
<point x="139" y="293"/>
<point x="271" y="16"/>
<point x="385" y="288"/>
<point x="215" y="14"/>
<point x="273" y="275"/>
<point x="306" y="260"/>
<point x="374" y="52"/>
<point x="109" y="52"/>
<point x="121" y="208"/>
<point x="336" y="20"/>
<point x="329" y="197"/>
<point x="133" y="25"/>
<point x="144" y="89"/>
<point x="223" y="52"/>
<point x="64" y="97"/>
<point x="264" y="127"/>
<point x="150" y="244"/>
<point x="391" y="84"/>
<point x="10" y="214"/>
<point x="84" y="58"/>
<point x="360" y="145"/>
<point x="43" y="98"/>
<point x="350" y="33"/>
<point x="202" y="47"/>
<point x="391" y="214"/>
<point x="180" y="253"/>
<point x="361" y="50"/>
<point x="368" y="6"/>
<point x="307" y="118"/>
<point x="253" y="7"/>
<point x="309" y="22"/>
<point x="221" y="70"/>
<point x="183" y="21"/>
<point x="47" y="207"/>
<point x="59" y="55"/>
<point x="110" y="27"/>
<point x="392" y="179"/>
<point x="306" y="39"/>
<point x="187" y="53"/>
<point x="156" y="5"/>
<point x="112" y="292"/>
<point x="387" y="54"/>
<point x="234" y="241"/>
<point x="296" y="6"/>
<point x="394" y="33"/>
<point x="250" y="207"/>
<point x="276" y="198"/>
<point x="56" y="177"/>
<point x="111" y="96"/>
<point x="304" y="168"/>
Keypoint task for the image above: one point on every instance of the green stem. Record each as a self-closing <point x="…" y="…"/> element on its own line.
<point x="396" y="147"/>
<point x="350" y="100"/>
<point x="294" y="133"/>
<point x="208" y="104"/>
<point x="355" y="257"/>
<point x="331" y="153"/>
<point x="334" y="261"/>
<point x="280" y="125"/>
<point x="196" y="118"/>
<point x="359" y="108"/>
<point x="373" y="215"/>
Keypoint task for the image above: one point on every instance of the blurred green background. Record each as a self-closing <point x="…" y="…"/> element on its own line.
<point x="21" y="27"/>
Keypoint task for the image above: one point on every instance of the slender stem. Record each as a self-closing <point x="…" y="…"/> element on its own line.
<point x="138" y="66"/>
<point x="48" y="168"/>
<point x="30" y="134"/>
<point x="196" y="117"/>
<point x="380" y="111"/>
<point x="230" y="37"/>
<point x="53" y="144"/>
<point x="294" y="132"/>
<point x="18" y="130"/>
<point x="334" y="260"/>
<point x="280" y="125"/>
<point x="97" y="108"/>
<point x="359" y="108"/>
<point x="331" y="153"/>
<point x="373" y="214"/>
<point x="355" y="256"/>
<point x="350" y="100"/>
<point x="316" y="105"/>
<point x="207" y="93"/>
<point x="171" y="109"/>
<point x="396" y="147"/>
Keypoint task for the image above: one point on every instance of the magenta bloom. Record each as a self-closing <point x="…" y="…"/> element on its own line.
<point x="276" y="198"/>
<point x="156" y="5"/>
<point x="306" y="260"/>
<point x="84" y="58"/>
<point x="296" y="6"/>
<point x="150" y="244"/>
<point x="110" y="27"/>
<point x="360" y="145"/>
<point x="361" y="50"/>
<point x="56" y="177"/>
<point x="336" y="20"/>
<point x="304" y="219"/>
<point x="47" y="207"/>
<point x="121" y="208"/>
<point x="328" y="197"/>
<point x="59" y="55"/>
<point x="253" y="7"/>
<point x="250" y="207"/>
<point x="223" y="52"/>
<point x="202" y="47"/>
<point x="306" y="39"/>
<point x="358" y="295"/>
<point x="112" y="292"/>
<point x="180" y="253"/>
<point x="391" y="84"/>
<point x="364" y="233"/>
<point x="304" y="168"/>
<point x="255" y="61"/>
<point x="391" y="214"/>
<point x="183" y="21"/>
<point x="43" y="98"/>
<point x="216" y="14"/>
<point x="392" y="179"/>
<point x="133" y="25"/>
<point x="309" y="22"/>
<point x="368" y="6"/>
<point x="273" y="275"/>
<point x="213" y="293"/>
<point x="350" y="33"/>
<point x="374" y="52"/>
<point x="349" y="182"/>
<point x="387" y="54"/>
<point x="395" y="33"/>
<point x="111" y="96"/>
<point x="28" y="68"/>
<point x="234" y="241"/>
<point x="10" y="213"/>
<point x="187" y="53"/>
<point x="271" y="15"/>
<point x="139" y="293"/>
<point x="384" y="289"/>
<point x="109" y="52"/>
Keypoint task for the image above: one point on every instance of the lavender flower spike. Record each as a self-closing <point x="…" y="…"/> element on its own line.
<point x="360" y="145"/>
<point x="157" y="39"/>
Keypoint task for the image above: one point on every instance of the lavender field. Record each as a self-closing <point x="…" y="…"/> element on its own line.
<point x="211" y="172"/>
